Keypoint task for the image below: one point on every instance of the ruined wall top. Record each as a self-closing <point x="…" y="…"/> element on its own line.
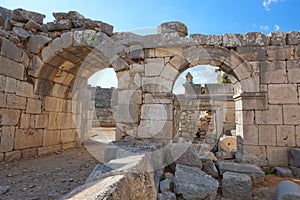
<point x="18" y="25"/>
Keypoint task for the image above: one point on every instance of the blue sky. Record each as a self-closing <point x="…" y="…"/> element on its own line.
<point x="201" y="16"/>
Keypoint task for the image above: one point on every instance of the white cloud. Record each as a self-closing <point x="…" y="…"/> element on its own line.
<point x="276" y="28"/>
<point x="265" y="28"/>
<point x="267" y="3"/>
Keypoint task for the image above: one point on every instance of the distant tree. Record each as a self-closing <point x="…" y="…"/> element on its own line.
<point x="225" y="78"/>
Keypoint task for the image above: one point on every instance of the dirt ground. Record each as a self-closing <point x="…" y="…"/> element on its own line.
<point x="52" y="176"/>
<point x="46" y="177"/>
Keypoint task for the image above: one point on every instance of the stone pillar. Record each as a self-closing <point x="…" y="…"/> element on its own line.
<point x="248" y="149"/>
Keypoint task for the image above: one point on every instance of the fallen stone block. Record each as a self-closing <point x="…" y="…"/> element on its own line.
<point x="182" y="153"/>
<point x="22" y="15"/>
<point x="114" y="187"/>
<point x="192" y="183"/>
<point x="166" y="185"/>
<point x="4" y="189"/>
<point x="166" y="196"/>
<point x="208" y="166"/>
<point x="228" y="143"/>
<point x="294" y="157"/>
<point x="224" y="155"/>
<point x="253" y="171"/>
<point x="296" y="171"/>
<point x="236" y="185"/>
<point x="283" y="172"/>
<point x="288" y="190"/>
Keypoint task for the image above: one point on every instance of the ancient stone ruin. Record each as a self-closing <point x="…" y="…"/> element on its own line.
<point x="46" y="104"/>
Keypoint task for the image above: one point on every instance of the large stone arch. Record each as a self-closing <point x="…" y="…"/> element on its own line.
<point x="61" y="80"/>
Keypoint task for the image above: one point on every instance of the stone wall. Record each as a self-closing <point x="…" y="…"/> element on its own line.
<point x="104" y="106"/>
<point x="44" y="68"/>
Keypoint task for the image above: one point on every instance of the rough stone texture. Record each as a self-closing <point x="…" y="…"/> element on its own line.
<point x="253" y="171"/>
<point x="192" y="183"/>
<point x="36" y="42"/>
<point x="208" y="166"/>
<point x="22" y="15"/>
<point x="166" y="196"/>
<point x="296" y="171"/>
<point x="236" y="185"/>
<point x="170" y="27"/>
<point x="4" y="189"/>
<point x="294" y="157"/>
<point x="283" y="172"/>
<point x="288" y="190"/>
<point x="184" y="154"/>
<point x="165" y="185"/>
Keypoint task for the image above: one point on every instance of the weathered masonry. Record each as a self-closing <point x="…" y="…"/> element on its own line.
<point x="45" y="67"/>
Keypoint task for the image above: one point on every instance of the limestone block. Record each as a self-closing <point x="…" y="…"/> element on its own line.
<point x="53" y="104"/>
<point x="156" y="85"/>
<point x="273" y="72"/>
<point x="154" y="66"/>
<point x="64" y="24"/>
<point x="293" y="37"/>
<point x="1" y="157"/>
<point x="20" y="33"/>
<point x="244" y="117"/>
<point x="48" y="52"/>
<point x="208" y="166"/>
<point x="49" y="149"/>
<point x="40" y="121"/>
<point x="9" y="117"/>
<point x="297" y="52"/>
<point x="27" y="121"/>
<point x="166" y="196"/>
<point x="255" y="39"/>
<point x="283" y="94"/>
<point x="155" y="129"/>
<point x="291" y="114"/>
<point x="136" y="52"/>
<point x="24" y="89"/>
<point x="17" y="102"/>
<point x="253" y="171"/>
<point x="278" y="38"/>
<point x="297" y="135"/>
<point x="197" y="39"/>
<point x="28" y="138"/>
<point x="251" y="101"/>
<point x="213" y="40"/>
<point x="70" y="145"/>
<point x="29" y="153"/>
<point x="7" y="138"/>
<point x="2" y="82"/>
<point x="252" y="153"/>
<point x="67" y="39"/>
<point x="157" y="99"/>
<point x="267" y="135"/>
<point x="293" y="71"/>
<point x="175" y="26"/>
<point x="11" y="68"/>
<point x="110" y="48"/>
<point x="294" y="157"/>
<point x="119" y="64"/>
<point x="67" y="136"/>
<point x="2" y="100"/>
<point x="34" y="106"/>
<point x="179" y="63"/>
<point x="22" y="15"/>
<point x="10" y="50"/>
<point x="248" y="134"/>
<point x="165" y="185"/>
<point x="37" y="42"/>
<point x="51" y="137"/>
<point x="277" y="156"/>
<point x="157" y="112"/>
<point x="243" y="71"/>
<point x="12" y="156"/>
<point x="55" y="120"/>
<point x="129" y="97"/>
<point x="193" y="183"/>
<point x="286" y="135"/>
<point x="127" y="113"/>
<point x="280" y="53"/>
<point x="288" y="190"/>
<point x="169" y="72"/>
<point x="272" y="116"/>
<point x="283" y="172"/>
<point x="232" y="40"/>
<point x="236" y="185"/>
<point x="253" y="53"/>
